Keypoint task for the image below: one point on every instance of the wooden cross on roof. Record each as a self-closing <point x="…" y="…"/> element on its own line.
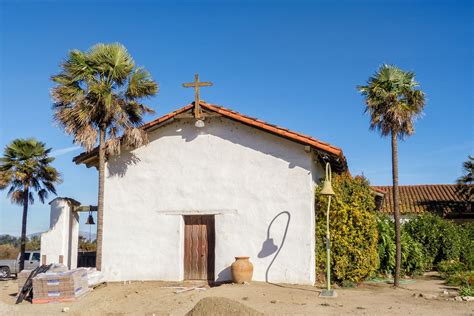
<point x="196" y="84"/>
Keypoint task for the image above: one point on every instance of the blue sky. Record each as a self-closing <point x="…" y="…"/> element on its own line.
<point x="292" y="63"/>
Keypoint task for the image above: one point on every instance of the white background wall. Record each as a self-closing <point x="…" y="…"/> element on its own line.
<point x="244" y="175"/>
<point x="62" y="238"/>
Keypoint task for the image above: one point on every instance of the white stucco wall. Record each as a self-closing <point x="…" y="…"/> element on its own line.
<point x="62" y="237"/>
<point x="245" y="176"/>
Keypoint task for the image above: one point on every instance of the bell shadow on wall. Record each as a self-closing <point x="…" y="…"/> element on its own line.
<point x="269" y="247"/>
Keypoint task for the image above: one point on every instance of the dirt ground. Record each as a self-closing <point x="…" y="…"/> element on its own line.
<point x="148" y="298"/>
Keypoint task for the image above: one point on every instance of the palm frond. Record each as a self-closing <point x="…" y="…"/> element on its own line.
<point x="102" y="88"/>
<point x="43" y="195"/>
<point x="16" y="197"/>
<point x="25" y="165"/>
<point x="465" y="183"/>
<point x="392" y="101"/>
<point x="140" y="85"/>
<point x="112" y="61"/>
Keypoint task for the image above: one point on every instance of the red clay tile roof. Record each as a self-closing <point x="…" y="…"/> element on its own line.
<point x="335" y="154"/>
<point x="438" y="198"/>
<point x="376" y="189"/>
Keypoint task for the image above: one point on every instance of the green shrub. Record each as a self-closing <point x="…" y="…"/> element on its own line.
<point x="353" y="230"/>
<point x="413" y="258"/>
<point x="460" y="278"/>
<point x="466" y="291"/>
<point x="441" y="239"/>
<point x="34" y="243"/>
<point x="467" y="242"/>
<point x="386" y="245"/>
<point x="448" y="267"/>
<point x="347" y="284"/>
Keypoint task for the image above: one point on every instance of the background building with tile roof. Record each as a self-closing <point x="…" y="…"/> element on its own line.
<point x="441" y="199"/>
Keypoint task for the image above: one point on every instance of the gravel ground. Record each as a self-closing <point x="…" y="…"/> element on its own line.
<point x="147" y="298"/>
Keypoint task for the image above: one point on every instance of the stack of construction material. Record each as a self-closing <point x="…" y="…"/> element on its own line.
<point x="61" y="286"/>
<point x="24" y="274"/>
<point x="22" y="277"/>
<point x="95" y="277"/>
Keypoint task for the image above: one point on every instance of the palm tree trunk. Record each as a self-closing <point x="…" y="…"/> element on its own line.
<point x="396" y="209"/>
<point x="23" y="229"/>
<point x="100" y="206"/>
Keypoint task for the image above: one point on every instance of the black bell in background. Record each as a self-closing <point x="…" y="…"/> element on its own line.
<point x="90" y="219"/>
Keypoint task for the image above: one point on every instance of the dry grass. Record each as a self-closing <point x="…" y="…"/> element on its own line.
<point x="8" y="252"/>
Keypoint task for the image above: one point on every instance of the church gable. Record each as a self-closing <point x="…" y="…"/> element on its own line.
<point x="223" y="143"/>
<point x="179" y="155"/>
<point x="323" y="151"/>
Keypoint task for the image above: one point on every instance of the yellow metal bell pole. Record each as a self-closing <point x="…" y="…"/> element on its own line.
<point x="327" y="190"/>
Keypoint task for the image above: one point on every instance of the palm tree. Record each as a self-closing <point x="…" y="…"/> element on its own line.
<point x="98" y="95"/>
<point x="24" y="168"/>
<point x="465" y="187"/>
<point x="393" y="104"/>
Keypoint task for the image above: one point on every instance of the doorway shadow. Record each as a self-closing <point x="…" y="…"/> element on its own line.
<point x="269" y="247"/>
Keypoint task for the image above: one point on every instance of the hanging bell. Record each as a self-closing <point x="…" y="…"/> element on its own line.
<point x="90" y="219"/>
<point x="327" y="186"/>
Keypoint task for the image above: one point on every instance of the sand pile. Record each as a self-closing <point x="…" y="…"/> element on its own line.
<point x="221" y="306"/>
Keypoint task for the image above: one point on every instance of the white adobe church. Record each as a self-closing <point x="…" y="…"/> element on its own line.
<point x="184" y="205"/>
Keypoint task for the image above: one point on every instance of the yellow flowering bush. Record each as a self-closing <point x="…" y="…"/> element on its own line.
<point x="353" y="230"/>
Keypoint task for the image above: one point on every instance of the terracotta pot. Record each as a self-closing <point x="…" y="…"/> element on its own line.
<point x="242" y="270"/>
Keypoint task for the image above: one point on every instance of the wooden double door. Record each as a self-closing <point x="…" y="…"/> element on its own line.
<point x="199" y="244"/>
